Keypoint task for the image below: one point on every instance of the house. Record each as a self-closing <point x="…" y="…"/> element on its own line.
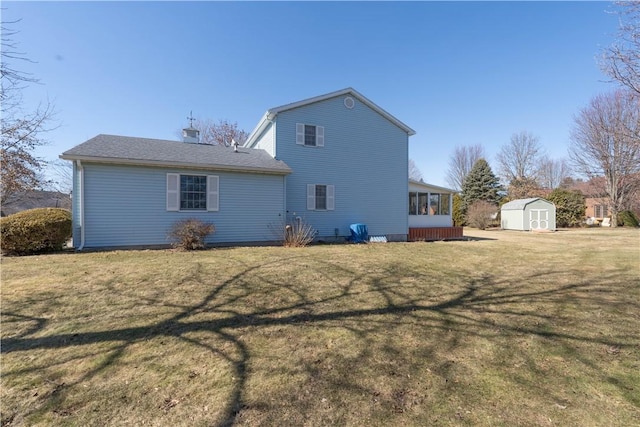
<point x="331" y="160"/>
<point x="430" y="212"/>
<point x="130" y="191"/>
<point x="349" y="159"/>
<point x="528" y="214"/>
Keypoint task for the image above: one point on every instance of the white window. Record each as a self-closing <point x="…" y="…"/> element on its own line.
<point x="309" y="135"/>
<point x="429" y="203"/>
<point x="320" y="197"/>
<point x="601" y="211"/>
<point x="192" y="192"/>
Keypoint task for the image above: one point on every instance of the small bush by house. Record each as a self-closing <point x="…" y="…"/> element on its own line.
<point x="295" y="233"/>
<point x="190" y="234"/>
<point x="35" y="231"/>
<point x="480" y="214"/>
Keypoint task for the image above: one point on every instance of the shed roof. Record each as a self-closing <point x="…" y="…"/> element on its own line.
<point x="520" y="204"/>
<point x="160" y="152"/>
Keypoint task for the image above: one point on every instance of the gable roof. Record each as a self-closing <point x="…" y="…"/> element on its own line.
<point x="519" y="204"/>
<point x="273" y="112"/>
<point x="159" y="152"/>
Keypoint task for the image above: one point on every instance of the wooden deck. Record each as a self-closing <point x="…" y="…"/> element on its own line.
<point x="435" y="233"/>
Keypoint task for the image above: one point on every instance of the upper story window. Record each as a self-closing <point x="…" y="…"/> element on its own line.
<point x="309" y="135"/>
<point x="192" y="192"/>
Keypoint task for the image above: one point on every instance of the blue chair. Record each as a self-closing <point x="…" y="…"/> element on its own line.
<point x="359" y="233"/>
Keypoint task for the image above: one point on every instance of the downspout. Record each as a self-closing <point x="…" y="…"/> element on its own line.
<point x="81" y="203"/>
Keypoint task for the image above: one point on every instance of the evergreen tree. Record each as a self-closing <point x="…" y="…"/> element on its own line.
<point x="458" y="212"/>
<point x="480" y="184"/>
<point x="570" y="207"/>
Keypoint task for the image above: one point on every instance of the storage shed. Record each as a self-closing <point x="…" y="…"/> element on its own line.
<point x="528" y="214"/>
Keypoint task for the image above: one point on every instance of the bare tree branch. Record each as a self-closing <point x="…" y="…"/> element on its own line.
<point x="461" y="162"/>
<point x="520" y="158"/>
<point x="551" y="173"/>
<point x="22" y="132"/>
<point x="219" y="133"/>
<point x="414" y="172"/>
<point x="605" y="142"/>
<point x="621" y="60"/>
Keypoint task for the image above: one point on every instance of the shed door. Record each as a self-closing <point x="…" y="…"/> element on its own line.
<point x="539" y="219"/>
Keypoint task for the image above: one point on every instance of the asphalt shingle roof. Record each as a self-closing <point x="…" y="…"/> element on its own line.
<point x="519" y="204"/>
<point x="145" y="151"/>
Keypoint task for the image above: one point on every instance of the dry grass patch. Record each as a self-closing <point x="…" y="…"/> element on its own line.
<point x="511" y="329"/>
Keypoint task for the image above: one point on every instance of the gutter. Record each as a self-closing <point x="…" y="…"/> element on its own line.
<point x="80" y="169"/>
<point x="262" y="125"/>
<point x="159" y="163"/>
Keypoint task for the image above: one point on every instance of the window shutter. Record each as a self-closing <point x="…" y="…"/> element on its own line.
<point x="319" y="136"/>
<point x="213" y="193"/>
<point x="331" y="197"/>
<point x="311" y="197"/>
<point x="173" y="192"/>
<point x="300" y="133"/>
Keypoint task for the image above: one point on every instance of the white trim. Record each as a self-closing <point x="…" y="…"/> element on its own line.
<point x="173" y="192"/>
<point x="311" y="197"/>
<point x="80" y="169"/>
<point x="213" y="193"/>
<point x="300" y="133"/>
<point x="432" y="187"/>
<point x="273" y="112"/>
<point x="171" y="164"/>
<point x="349" y="102"/>
<point x="331" y="197"/>
<point x="319" y="136"/>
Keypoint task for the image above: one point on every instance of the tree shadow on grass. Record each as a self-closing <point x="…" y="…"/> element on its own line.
<point x="369" y="305"/>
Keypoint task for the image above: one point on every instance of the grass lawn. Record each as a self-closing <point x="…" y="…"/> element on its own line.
<point x="514" y="329"/>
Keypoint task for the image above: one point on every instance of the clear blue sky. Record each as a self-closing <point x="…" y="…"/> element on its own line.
<point x="459" y="73"/>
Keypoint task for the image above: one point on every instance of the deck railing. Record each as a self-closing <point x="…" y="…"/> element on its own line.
<point x="435" y="233"/>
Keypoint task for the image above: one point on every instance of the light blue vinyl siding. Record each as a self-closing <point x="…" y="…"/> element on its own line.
<point x="126" y="206"/>
<point x="266" y="140"/>
<point x="364" y="156"/>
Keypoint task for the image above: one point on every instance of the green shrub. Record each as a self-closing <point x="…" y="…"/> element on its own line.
<point x="458" y="214"/>
<point x="570" y="207"/>
<point x="35" y="231"/>
<point x="189" y="234"/>
<point x="627" y="219"/>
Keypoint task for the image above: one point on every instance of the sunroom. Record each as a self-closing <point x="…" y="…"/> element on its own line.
<point x="430" y="212"/>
